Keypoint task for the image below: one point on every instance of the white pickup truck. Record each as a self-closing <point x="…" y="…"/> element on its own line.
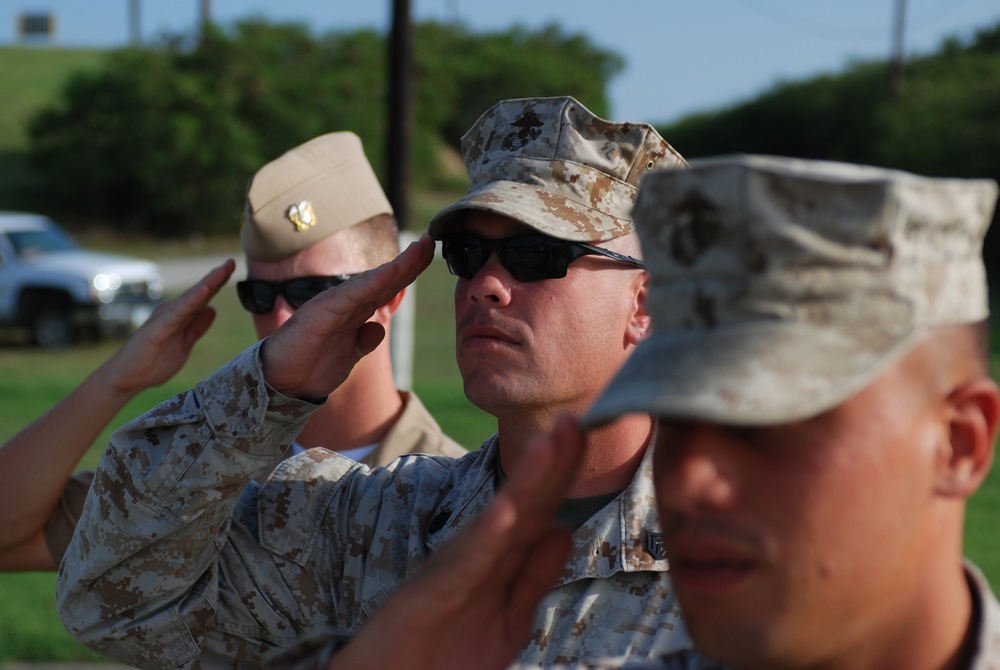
<point x="58" y="291"/>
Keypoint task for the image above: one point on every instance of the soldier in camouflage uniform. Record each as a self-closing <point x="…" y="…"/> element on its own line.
<point x="819" y="367"/>
<point x="175" y="565"/>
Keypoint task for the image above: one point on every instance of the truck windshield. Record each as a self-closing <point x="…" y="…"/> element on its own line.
<point x="30" y="242"/>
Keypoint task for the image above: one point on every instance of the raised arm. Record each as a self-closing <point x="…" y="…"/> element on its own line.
<point x="315" y="350"/>
<point x="159" y="558"/>
<point x="35" y="464"/>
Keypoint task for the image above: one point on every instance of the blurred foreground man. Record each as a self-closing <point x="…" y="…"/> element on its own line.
<point x="314" y="217"/>
<point x="172" y="567"/>
<point x="819" y="367"/>
<point x="819" y="370"/>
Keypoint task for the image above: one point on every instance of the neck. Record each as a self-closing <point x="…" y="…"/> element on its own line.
<point x="937" y="633"/>
<point x="930" y="627"/>
<point x="359" y="413"/>
<point x="612" y="453"/>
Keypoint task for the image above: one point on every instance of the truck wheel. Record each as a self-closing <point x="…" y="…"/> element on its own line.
<point x="51" y="328"/>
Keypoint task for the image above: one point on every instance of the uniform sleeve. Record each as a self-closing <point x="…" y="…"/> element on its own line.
<point x="59" y="528"/>
<point x="149" y="562"/>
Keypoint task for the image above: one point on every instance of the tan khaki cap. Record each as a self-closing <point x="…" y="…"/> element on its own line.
<point x="553" y="165"/>
<point x="782" y="287"/>
<point x="307" y="194"/>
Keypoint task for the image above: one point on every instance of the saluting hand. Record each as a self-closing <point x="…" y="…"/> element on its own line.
<point x="473" y="604"/>
<point x="316" y="349"/>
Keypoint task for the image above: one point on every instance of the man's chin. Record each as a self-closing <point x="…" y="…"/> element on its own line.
<point x="492" y="394"/>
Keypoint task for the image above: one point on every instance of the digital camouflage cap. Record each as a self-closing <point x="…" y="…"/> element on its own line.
<point x="781" y="287"/>
<point x="552" y="164"/>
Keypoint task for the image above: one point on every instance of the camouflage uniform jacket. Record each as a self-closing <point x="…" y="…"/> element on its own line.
<point x="177" y="563"/>
<point x="414" y="432"/>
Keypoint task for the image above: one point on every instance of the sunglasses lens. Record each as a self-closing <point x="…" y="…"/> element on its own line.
<point x="534" y="260"/>
<point x="299" y="291"/>
<point x="464" y="256"/>
<point x="258" y="296"/>
<point x="255" y="296"/>
<point x="526" y="258"/>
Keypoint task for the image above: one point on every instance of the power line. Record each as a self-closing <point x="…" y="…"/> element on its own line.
<point x="919" y="18"/>
<point x="822" y="29"/>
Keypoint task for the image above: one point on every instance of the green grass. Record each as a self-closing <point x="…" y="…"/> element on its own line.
<point x="29" y="627"/>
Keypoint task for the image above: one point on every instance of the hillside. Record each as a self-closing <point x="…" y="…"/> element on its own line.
<point x="31" y="77"/>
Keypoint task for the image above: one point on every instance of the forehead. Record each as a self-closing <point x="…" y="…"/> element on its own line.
<point x="332" y="255"/>
<point x="491" y="225"/>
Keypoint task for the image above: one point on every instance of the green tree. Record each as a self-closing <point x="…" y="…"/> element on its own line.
<point x="462" y="74"/>
<point x="945" y="122"/>
<point x="143" y="145"/>
<point x="164" y="140"/>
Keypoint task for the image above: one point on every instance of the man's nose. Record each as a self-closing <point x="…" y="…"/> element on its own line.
<point x="696" y="468"/>
<point x="491" y="283"/>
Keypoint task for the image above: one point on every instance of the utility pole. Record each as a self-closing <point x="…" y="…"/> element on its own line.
<point x="397" y="156"/>
<point x="400" y="100"/>
<point x="206" y="16"/>
<point x="897" y="65"/>
<point x="134" y="32"/>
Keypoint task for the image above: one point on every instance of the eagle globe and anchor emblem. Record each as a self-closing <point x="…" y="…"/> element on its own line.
<point x="302" y="215"/>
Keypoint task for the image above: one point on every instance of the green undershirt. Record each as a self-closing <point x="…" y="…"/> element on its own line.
<point x="573" y="512"/>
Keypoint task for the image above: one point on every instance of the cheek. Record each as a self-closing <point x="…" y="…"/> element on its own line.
<point x="859" y="500"/>
<point x="461" y="297"/>
<point x="266" y="324"/>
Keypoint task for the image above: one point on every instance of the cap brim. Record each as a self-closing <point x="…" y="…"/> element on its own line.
<point x="545" y="211"/>
<point x="755" y="373"/>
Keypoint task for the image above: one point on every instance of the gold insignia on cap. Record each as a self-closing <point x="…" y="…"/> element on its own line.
<point x="302" y="215"/>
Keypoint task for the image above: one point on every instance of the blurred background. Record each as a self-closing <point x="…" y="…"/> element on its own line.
<point x="137" y="123"/>
<point x="148" y="116"/>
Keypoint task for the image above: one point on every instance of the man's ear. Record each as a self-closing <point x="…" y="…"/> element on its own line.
<point x="639" y="325"/>
<point x="974" y="412"/>
<point x="384" y="313"/>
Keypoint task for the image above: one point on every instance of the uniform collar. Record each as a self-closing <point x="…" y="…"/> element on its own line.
<point x="622" y="537"/>
<point x="988" y="639"/>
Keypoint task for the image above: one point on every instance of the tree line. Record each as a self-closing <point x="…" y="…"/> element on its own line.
<point x="944" y="121"/>
<point x="163" y="140"/>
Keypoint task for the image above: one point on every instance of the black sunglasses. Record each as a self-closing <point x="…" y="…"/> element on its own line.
<point x="525" y="257"/>
<point x="258" y="296"/>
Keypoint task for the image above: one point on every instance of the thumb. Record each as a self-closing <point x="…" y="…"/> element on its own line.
<point x="370" y="335"/>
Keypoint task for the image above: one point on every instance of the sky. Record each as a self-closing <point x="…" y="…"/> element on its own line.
<point x="681" y="56"/>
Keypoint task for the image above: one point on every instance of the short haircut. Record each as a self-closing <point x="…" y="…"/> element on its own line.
<point x="374" y="241"/>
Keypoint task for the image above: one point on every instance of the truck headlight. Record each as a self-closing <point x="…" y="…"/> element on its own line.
<point x="154" y="287"/>
<point x="105" y="286"/>
<point x="107" y="282"/>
